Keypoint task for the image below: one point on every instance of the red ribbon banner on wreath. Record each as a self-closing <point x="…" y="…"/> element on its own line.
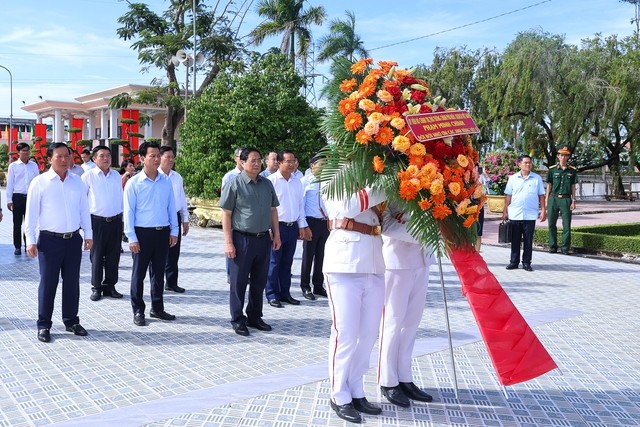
<point x="515" y="350"/>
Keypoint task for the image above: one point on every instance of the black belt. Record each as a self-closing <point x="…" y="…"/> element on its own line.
<point x="164" y="227"/>
<point x="107" y="218"/>
<point x="561" y="196"/>
<point x="19" y="194"/>
<point x="65" y="236"/>
<point x="246" y="233"/>
<point x="317" y="219"/>
<point x="288" y="224"/>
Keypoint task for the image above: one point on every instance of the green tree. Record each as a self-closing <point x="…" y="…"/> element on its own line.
<point x="260" y="107"/>
<point x="157" y="37"/>
<point x="287" y="17"/>
<point x="342" y="40"/>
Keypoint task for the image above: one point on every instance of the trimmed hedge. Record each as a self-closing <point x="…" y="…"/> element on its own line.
<point x="614" y="238"/>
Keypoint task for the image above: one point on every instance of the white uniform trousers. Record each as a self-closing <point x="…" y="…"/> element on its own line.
<point x="356" y="302"/>
<point x="405" y="293"/>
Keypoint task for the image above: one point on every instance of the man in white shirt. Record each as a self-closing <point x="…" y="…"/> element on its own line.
<point x="233" y="173"/>
<point x="270" y="163"/>
<point x="292" y="225"/>
<point x="57" y="207"/>
<point x="87" y="164"/>
<point x="167" y="160"/>
<point x="104" y="192"/>
<point x="20" y="174"/>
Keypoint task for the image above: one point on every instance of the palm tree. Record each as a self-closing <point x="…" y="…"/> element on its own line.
<point x="342" y="40"/>
<point x="287" y="17"/>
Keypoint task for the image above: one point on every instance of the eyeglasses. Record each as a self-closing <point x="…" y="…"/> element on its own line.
<point x="290" y="162"/>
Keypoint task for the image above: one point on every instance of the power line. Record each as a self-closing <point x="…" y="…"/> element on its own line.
<point x="462" y="26"/>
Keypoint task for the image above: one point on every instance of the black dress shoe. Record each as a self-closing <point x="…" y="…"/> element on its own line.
<point x="290" y="300"/>
<point x="363" y="405"/>
<point x="44" y="335"/>
<point x="413" y="392"/>
<point x="78" y="330"/>
<point x="17" y="252"/>
<point x="527" y="267"/>
<point x="346" y="412"/>
<point x="162" y="315"/>
<point x="512" y="266"/>
<point x="112" y="293"/>
<point x="139" y="320"/>
<point x="241" y="329"/>
<point x="175" y="288"/>
<point x="320" y="292"/>
<point x="259" y="325"/>
<point x="565" y="252"/>
<point x="553" y="250"/>
<point x="275" y="303"/>
<point x="396" y="396"/>
<point x="95" y="295"/>
<point x="308" y="295"/>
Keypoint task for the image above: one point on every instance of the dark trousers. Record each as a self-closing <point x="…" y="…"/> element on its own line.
<point x="19" y="209"/>
<point x="521" y="231"/>
<point x="171" y="266"/>
<point x="59" y="256"/>
<point x="279" y="279"/>
<point x="313" y="255"/>
<point x="105" y="253"/>
<point x="154" y="245"/>
<point x="555" y="206"/>
<point x="250" y="265"/>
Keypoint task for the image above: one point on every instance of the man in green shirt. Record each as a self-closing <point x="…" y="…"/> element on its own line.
<point x="251" y="230"/>
<point x="561" y="198"/>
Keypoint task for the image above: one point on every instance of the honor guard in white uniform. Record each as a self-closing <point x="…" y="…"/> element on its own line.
<point x="354" y="277"/>
<point x="406" y="278"/>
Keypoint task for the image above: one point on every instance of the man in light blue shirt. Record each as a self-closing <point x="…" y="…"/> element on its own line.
<point x="151" y="225"/>
<point x="525" y="202"/>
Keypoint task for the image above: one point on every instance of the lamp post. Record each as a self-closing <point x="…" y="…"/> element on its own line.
<point x="10" y="106"/>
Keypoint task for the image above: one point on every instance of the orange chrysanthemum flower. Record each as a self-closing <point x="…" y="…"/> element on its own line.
<point x="441" y="212"/>
<point x="408" y="190"/>
<point x="417" y="161"/>
<point x="384" y="136"/>
<point x="378" y="164"/>
<point x="361" y="66"/>
<point x="424" y="204"/>
<point x="385" y="66"/>
<point x="365" y="91"/>
<point x="348" y="85"/>
<point x="353" y="121"/>
<point x="362" y="137"/>
<point x="438" y="199"/>
<point x="346" y="106"/>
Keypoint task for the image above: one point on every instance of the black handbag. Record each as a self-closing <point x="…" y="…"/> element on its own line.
<point x="504" y="232"/>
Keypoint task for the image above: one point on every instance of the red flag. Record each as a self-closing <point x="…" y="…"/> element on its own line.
<point x="515" y="350"/>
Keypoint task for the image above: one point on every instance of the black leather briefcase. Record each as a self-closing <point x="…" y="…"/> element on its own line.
<point x="504" y="232"/>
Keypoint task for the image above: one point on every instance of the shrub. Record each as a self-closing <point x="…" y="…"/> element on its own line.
<point x="613" y="238"/>
<point x="499" y="165"/>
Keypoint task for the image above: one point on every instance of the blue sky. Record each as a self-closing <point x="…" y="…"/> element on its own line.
<point x="67" y="48"/>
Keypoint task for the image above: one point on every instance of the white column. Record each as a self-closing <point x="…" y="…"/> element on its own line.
<point x="113" y="127"/>
<point x="148" y="128"/>
<point x="58" y="126"/>
<point x="104" y="128"/>
<point x="92" y="125"/>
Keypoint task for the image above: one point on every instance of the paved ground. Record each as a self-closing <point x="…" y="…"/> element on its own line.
<point x="197" y="372"/>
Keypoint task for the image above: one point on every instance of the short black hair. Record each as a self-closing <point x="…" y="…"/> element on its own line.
<point x="523" y="156"/>
<point x="281" y="154"/>
<point x="86" y="151"/>
<point x="316" y="157"/>
<point x="57" y="145"/>
<point x="22" y="145"/>
<point x="244" y="154"/>
<point x="98" y="148"/>
<point x="142" y="150"/>
<point x="166" y="148"/>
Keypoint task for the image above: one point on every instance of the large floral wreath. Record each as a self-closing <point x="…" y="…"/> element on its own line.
<point x="373" y="146"/>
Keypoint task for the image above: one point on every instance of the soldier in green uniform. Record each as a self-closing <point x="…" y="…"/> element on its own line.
<point x="561" y="198"/>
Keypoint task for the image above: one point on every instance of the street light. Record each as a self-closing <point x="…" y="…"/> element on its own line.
<point x="11" y="105"/>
